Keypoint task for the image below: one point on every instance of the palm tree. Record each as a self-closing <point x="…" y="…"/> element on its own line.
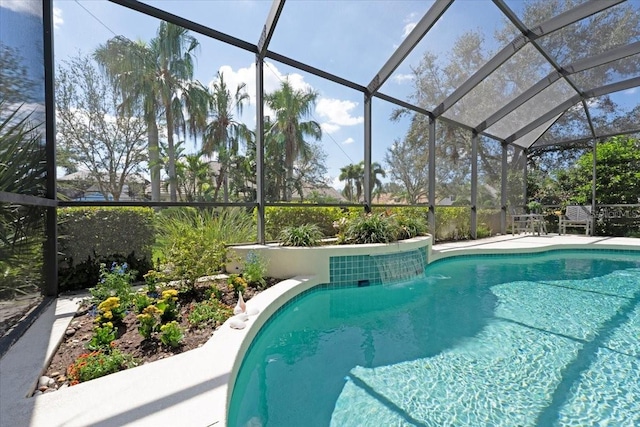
<point x="128" y="66"/>
<point x="352" y="175"/>
<point x="291" y="106"/>
<point x="158" y="75"/>
<point x="223" y="134"/>
<point x="194" y="178"/>
<point x="376" y="184"/>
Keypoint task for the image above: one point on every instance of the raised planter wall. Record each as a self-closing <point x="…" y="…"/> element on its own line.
<point x="286" y="262"/>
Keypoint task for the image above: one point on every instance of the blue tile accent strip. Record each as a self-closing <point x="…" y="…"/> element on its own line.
<point x="348" y="270"/>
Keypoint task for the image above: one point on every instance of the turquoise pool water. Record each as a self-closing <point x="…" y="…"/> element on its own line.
<point x="537" y="340"/>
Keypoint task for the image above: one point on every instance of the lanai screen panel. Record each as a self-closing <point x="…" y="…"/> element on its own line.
<point x="571" y="126"/>
<point x="611" y="72"/>
<point x="400" y="147"/>
<point x="593" y="35"/>
<point x="528" y="139"/>
<point x="489" y="173"/>
<point x="455" y="48"/>
<point x="516" y="163"/>
<point x="537" y="106"/>
<point x="618" y="112"/>
<point x="240" y="19"/>
<point x="511" y="79"/>
<point x="332" y="35"/>
<point x="23" y="170"/>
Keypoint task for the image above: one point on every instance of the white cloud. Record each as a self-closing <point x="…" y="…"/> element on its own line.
<point x="57" y="17"/>
<point x="272" y="79"/>
<point x="408" y="28"/>
<point x="337" y="184"/>
<point x="333" y="113"/>
<point x="337" y="113"/>
<point x="329" y="128"/>
<point x="402" y="78"/>
<point x="630" y="91"/>
<point x="32" y="7"/>
<point x="349" y="141"/>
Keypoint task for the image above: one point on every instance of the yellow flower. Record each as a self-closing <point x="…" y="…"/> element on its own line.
<point x="169" y="293"/>
<point x="109" y="304"/>
<point x="108" y="325"/>
<point x="108" y="314"/>
<point x="151" y="310"/>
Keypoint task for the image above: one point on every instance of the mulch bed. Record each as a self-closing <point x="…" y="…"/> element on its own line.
<point x="129" y="339"/>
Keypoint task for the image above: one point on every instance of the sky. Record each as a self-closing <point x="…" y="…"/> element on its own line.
<point x="349" y="38"/>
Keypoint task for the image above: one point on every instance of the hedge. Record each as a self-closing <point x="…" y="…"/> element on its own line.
<point x="88" y="236"/>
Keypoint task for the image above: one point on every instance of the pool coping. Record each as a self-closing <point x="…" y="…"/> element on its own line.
<point x="192" y="388"/>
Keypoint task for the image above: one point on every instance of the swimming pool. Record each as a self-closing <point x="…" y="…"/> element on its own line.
<point x="540" y="340"/>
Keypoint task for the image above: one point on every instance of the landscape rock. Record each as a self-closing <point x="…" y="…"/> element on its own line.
<point x="69" y="332"/>
<point x="43" y="381"/>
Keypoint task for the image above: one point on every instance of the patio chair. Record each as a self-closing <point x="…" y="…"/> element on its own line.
<point x="576" y="216"/>
<point x="519" y="221"/>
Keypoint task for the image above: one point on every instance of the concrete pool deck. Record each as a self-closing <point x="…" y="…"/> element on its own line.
<point x="190" y="389"/>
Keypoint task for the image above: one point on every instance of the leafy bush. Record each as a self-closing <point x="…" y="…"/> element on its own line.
<point x="168" y="305"/>
<point x="302" y="235"/>
<point x="171" y="334"/>
<point x="89" y="236"/>
<point x="489" y="220"/>
<point x="148" y="321"/>
<point x="279" y="217"/>
<point x="482" y="231"/>
<point x="369" y="228"/>
<point x="141" y="301"/>
<point x="114" y="282"/>
<point x="410" y="226"/>
<point x="255" y="269"/>
<point x="237" y="283"/>
<point x="211" y="311"/>
<point x="98" y="364"/>
<point x="102" y="337"/>
<point x="111" y="311"/>
<point x="193" y="240"/>
<point x="453" y="223"/>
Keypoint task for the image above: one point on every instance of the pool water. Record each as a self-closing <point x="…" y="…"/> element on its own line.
<point x="536" y="340"/>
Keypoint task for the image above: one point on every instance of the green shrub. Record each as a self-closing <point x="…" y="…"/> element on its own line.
<point x="206" y="312"/>
<point x="194" y="254"/>
<point x="255" y="269"/>
<point x="141" y="301"/>
<point x="168" y="305"/>
<point x="102" y="337"/>
<point x="369" y="228"/>
<point x="300" y="236"/>
<point x="489" y="220"/>
<point x="237" y="283"/>
<point x="171" y="334"/>
<point x="453" y="223"/>
<point x="98" y="364"/>
<point x="279" y="217"/>
<point x="148" y="321"/>
<point x="411" y="226"/>
<point x="114" y="282"/>
<point x="193" y="240"/>
<point x="89" y="236"/>
<point x="111" y="311"/>
<point x="482" y="231"/>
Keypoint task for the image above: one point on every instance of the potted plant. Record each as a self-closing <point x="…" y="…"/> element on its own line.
<point x="534" y="207"/>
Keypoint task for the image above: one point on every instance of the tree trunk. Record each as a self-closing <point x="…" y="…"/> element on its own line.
<point x="171" y="166"/>
<point x="154" y="159"/>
